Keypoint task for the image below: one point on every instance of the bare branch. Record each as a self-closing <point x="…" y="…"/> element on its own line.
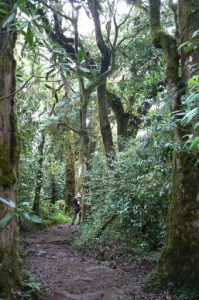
<point x="74" y="130"/>
<point x="56" y="11"/>
<point x="131" y="37"/>
<point x="117" y="27"/>
<point x="17" y="91"/>
<point x="125" y="19"/>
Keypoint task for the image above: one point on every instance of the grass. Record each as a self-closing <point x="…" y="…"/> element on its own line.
<point x="56" y="218"/>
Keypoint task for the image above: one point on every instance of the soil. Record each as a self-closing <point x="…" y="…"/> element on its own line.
<point x="66" y="274"/>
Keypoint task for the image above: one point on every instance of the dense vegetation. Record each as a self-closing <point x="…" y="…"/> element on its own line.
<point x="110" y="112"/>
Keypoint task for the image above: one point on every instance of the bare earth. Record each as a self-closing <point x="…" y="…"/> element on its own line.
<point x="68" y="275"/>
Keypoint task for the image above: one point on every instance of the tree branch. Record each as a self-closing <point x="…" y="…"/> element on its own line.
<point x="56" y="11"/>
<point x="17" y="91"/>
<point x="101" y="77"/>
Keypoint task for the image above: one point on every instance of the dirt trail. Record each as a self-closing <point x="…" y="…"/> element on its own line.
<point x="67" y="275"/>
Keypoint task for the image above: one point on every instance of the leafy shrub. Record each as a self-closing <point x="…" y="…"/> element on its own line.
<point x="53" y="213"/>
<point x="128" y="200"/>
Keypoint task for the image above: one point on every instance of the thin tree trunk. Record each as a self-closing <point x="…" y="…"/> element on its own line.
<point x="180" y="256"/>
<point x="53" y="190"/>
<point x="84" y="143"/>
<point x="39" y="177"/>
<point x="8" y="155"/>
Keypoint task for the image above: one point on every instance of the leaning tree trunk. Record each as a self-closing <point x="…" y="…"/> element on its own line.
<point x="8" y="156"/>
<point x="179" y="261"/>
<point x="39" y="177"/>
<point x="122" y="118"/>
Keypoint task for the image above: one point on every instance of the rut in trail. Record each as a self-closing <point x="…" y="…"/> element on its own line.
<point x="67" y="275"/>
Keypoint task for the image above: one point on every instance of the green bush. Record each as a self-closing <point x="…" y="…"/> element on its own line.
<point x="53" y="213"/>
<point x="128" y="200"/>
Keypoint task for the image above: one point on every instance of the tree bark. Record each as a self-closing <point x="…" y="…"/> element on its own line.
<point x="127" y="123"/>
<point x="70" y="175"/>
<point x="122" y="118"/>
<point x="101" y="88"/>
<point x="53" y="190"/>
<point x="105" y="127"/>
<point x="84" y="143"/>
<point x="8" y="155"/>
<point x="180" y="256"/>
<point x="39" y="177"/>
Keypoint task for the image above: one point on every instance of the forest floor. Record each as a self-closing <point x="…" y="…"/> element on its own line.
<point x="66" y="274"/>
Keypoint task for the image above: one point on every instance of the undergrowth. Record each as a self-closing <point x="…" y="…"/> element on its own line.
<point x="30" y="289"/>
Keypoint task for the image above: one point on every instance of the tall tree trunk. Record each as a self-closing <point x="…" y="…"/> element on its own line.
<point x="101" y="89"/>
<point x="39" y="177"/>
<point x="105" y="127"/>
<point x="8" y="155"/>
<point x="180" y="256"/>
<point x="70" y="174"/>
<point x="84" y="143"/>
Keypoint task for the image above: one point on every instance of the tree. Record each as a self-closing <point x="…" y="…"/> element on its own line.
<point x="8" y="147"/>
<point x="179" y="259"/>
<point x="70" y="171"/>
<point x="39" y="176"/>
<point x="106" y="55"/>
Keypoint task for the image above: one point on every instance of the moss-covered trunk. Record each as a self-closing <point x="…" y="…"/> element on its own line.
<point x="8" y="155"/>
<point x="70" y="175"/>
<point x="179" y="261"/>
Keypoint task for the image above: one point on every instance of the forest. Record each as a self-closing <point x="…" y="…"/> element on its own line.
<point x="99" y="101"/>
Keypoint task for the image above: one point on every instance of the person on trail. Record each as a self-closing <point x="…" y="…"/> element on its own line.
<point x="76" y="209"/>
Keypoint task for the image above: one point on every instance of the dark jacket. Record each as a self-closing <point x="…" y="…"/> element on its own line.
<point x="77" y="204"/>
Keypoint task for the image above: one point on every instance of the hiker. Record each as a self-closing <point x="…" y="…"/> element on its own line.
<point x="76" y="209"/>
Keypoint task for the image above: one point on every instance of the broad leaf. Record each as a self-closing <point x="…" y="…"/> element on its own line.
<point x="84" y="70"/>
<point x="195" y="34"/>
<point x="2" y="11"/>
<point x="27" y="204"/>
<point x="80" y="56"/>
<point x="24" y="10"/>
<point x="195" y="143"/>
<point x="8" y="202"/>
<point x="31" y="217"/>
<point x="29" y="36"/>
<point x="6" y="220"/>
<point x="9" y="19"/>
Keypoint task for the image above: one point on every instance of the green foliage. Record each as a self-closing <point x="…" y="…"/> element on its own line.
<point x="60" y="218"/>
<point x="56" y="218"/>
<point x="30" y="288"/>
<point x="183" y="294"/>
<point x="129" y="200"/>
<point x="19" y="211"/>
<point x="191" y="116"/>
<point x="53" y="213"/>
